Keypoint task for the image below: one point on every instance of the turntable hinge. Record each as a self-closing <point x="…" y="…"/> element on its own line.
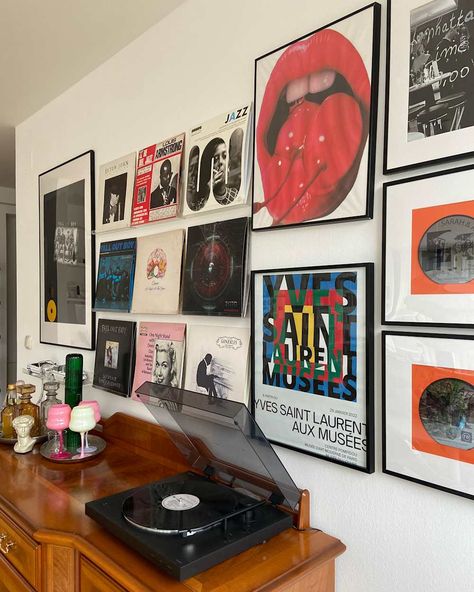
<point x="209" y="471"/>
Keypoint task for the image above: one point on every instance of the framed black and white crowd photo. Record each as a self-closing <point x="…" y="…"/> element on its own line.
<point x="315" y="117"/>
<point x="66" y="205"/>
<point x="430" y="82"/>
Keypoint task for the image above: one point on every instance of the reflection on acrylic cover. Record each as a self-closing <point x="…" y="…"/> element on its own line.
<point x="314" y="104"/>
<point x="64" y="254"/>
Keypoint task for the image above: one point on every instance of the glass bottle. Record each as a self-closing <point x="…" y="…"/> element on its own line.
<point x="51" y="393"/>
<point x="27" y="407"/>
<point x="73" y="394"/>
<point x="9" y="412"/>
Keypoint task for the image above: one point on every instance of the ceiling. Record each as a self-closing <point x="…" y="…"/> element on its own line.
<point x="48" y="45"/>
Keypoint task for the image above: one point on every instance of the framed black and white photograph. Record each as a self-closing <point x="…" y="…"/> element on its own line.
<point x="428" y="250"/>
<point x="430" y="82"/>
<point x="315" y="119"/>
<point x="312" y="354"/>
<point x="66" y="205"/>
<point x="428" y="410"/>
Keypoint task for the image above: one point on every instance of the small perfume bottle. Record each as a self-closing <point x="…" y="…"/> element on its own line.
<point x="51" y="394"/>
<point x="9" y="412"/>
<point x="27" y="407"/>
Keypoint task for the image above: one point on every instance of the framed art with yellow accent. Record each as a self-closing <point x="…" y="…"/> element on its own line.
<point x="428" y="410"/>
<point x="66" y="206"/>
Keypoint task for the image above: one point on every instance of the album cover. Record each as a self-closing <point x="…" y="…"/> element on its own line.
<point x="158" y="273"/>
<point x="157" y="184"/>
<point x="160" y="354"/>
<point x="115" y="275"/>
<point x="218" y="162"/>
<point x="215" y="275"/>
<point x="114" y="356"/>
<point x="217" y="362"/>
<point x="115" y="193"/>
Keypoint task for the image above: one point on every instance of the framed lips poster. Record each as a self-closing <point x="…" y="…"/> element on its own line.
<point x="315" y="118"/>
<point x="428" y="246"/>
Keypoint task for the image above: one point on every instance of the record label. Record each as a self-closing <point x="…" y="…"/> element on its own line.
<point x="178" y="503"/>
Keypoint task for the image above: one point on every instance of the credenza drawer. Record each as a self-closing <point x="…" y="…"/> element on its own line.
<point x="19" y="550"/>
<point x="95" y="580"/>
<point x="10" y="581"/>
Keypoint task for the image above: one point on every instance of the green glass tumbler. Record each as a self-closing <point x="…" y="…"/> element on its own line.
<point x="73" y="394"/>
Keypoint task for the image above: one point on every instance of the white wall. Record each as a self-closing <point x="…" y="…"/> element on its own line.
<point x="195" y="64"/>
<point x="7" y="195"/>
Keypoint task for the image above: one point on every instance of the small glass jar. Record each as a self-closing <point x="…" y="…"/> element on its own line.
<point x="51" y="394"/>
<point x="27" y="407"/>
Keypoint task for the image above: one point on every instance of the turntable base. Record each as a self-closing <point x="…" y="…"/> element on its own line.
<point x="59" y="549"/>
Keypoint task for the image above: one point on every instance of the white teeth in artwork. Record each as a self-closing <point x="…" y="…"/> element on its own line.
<point x="314" y="83"/>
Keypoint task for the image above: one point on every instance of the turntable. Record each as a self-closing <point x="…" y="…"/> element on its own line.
<point x="234" y="498"/>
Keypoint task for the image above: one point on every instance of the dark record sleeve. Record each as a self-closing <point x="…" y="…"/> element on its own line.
<point x="214" y="270"/>
<point x="114" y="357"/>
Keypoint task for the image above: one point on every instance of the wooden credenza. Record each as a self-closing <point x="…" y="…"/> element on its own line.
<point x="48" y="544"/>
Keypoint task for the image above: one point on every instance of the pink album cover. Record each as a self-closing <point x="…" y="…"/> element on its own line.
<point x="160" y="353"/>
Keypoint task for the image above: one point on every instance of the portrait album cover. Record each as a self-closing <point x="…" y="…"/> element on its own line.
<point x="315" y="119"/>
<point x="218" y="162"/>
<point x="160" y="354"/>
<point x="114" y="356"/>
<point x="215" y="280"/>
<point x="157" y="182"/>
<point x="217" y="362"/>
<point x="158" y="273"/>
<point x="115" y="275"/>
<point x="115" y="193"/>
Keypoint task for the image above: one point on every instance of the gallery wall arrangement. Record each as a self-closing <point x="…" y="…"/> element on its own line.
<point x="304" y="360"/>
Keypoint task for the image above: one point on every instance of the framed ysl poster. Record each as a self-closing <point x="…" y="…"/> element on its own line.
<point x="66" y="206"/>
<point x="428" y="250"/>
<point x="428" y="410"/>
<point x="312" y="354"/>
<point x="315" y="118"/>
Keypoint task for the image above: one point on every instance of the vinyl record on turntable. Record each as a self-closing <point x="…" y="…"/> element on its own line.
<point x="211" y="268"/>
<point x="182" y="505"/>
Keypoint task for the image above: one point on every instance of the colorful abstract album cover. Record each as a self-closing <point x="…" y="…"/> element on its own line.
<point x="160" y="354"/>
<point x="218" y="162"/>
<point x="217" y="362"/>
<point x="158" y="273"/>
<point x="215" y="274"/>
<point x="114" y="356"/>
<point x="115" y="275"/>
<point x="157" y="183"/>
<point x="314" y="113"/>
<point x="310" y="375"/>
<point x="115" y="193"/>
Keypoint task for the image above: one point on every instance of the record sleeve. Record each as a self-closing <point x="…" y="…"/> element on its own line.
<point x="218" y="162"/>
<point x="217" y="362"/>
<point x="157" y="183"/>
<point x="114" y="356"/>
<point x="115" y="275"/>
<point x="158" y="273"/>
<point x="215" y="275"/>
<point x="160" y="354"/>
<point x="115" y="193"/>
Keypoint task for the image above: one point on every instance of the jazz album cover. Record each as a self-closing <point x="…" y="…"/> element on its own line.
<point x="160" y="353"/>
<point x="114" y="356"/>
<point x="115" y="275"/>
<point x="217" y="160"/>
<point x="158" y="273"/>
<point x="157" y="184"/>
<point x="115" y="193"/>
<point x="217" y="362"/>
<point x="215" y="277"/>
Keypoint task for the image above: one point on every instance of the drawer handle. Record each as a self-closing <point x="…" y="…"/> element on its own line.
<point x="6" y="547"/>
<point x="3" y="535"/>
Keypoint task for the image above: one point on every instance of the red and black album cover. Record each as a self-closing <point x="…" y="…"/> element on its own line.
<point x="115" y="356"/>
<point x="215" y="270"/>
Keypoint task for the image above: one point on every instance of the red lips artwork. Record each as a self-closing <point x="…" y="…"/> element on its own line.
<point x="312" y="128"/>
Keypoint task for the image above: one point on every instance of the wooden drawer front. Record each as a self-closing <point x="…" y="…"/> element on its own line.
<point x="10" y="581"/>
<point x="95" y="580"/>
<point x="19" y="550"/>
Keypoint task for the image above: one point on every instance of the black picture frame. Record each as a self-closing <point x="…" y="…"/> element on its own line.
<point x="421" y="458"/>
<point x="67" y="253"/>
<point x="445" y="151"/>
<point x="433" y="196"/>
<point x="363" y="415"/>
<point x="367" y="150"/>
